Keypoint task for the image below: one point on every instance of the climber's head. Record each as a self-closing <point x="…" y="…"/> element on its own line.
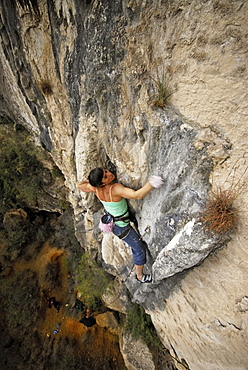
<point x="95" y="177"/>
<point x="100" y="177"/>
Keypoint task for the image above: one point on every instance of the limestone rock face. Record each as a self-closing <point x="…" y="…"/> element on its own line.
<point x="188" y="248"/>
<point x="136" y="354"/>
<point x="116" y="297"/>
<point x="82" y="77"/>
<point x="108" y="320"/>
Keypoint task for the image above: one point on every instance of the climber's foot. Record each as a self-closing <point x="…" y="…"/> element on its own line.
<point x="146" y="278"/>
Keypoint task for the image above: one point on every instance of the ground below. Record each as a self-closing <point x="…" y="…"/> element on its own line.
<point x="43" y="337"/>
<point x="29" y="326"/>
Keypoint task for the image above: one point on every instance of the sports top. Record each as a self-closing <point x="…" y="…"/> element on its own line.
<point x="117" y="209"/>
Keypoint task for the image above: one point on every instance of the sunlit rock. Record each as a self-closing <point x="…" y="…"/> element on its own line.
<point x="136" y="354"/>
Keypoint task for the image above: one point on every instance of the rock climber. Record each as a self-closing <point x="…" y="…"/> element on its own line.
<point x="113" y="196"/>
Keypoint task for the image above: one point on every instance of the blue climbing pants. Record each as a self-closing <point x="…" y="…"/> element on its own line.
<point x="132" y="238"/>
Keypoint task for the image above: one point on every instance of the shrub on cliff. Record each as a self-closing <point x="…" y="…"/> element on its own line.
<point x="17" y="225"/>
<point x="91" y="282"/>
<point x="163" y="92"/>
<point x="20" y="170"/>
<point x="140" y="325"/>
<point x="219" y="214"/>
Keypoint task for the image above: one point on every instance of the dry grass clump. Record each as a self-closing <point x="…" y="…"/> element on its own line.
<point x="219" y="215"/>
<point x="46" y="87"/>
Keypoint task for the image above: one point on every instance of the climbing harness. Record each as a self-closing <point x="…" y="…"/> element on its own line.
<point x="125" y="233"/>
<point x="107" y="221"/>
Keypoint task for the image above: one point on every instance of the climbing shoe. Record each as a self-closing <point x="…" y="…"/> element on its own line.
<point x="146" y="278"/>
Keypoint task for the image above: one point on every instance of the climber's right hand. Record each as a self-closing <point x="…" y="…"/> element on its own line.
<point x="156" y="181"/>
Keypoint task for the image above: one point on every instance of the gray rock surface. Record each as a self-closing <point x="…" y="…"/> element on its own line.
<point x="136" y="354"/>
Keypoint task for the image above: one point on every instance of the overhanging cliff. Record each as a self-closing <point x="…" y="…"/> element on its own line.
<point x="81" y="76"/>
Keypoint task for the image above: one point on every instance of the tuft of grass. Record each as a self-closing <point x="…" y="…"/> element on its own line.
<point x="163" y="92"/>
<point x="46" y="87"/>
<point x="219" y="214"/>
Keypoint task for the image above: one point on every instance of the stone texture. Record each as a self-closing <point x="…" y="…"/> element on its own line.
<point x="107" y="320"/>
<point x="205" y="307"/>
<point x="187" y="249"/>
<point x="101" y="61"/>
<point x="136" y="354"/>
<point x="116" y="296"/>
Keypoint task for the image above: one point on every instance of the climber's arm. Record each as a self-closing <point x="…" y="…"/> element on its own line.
<point x="120" y="190"/>
<point x="86" y="187"/>
<point x="153" y="182"/>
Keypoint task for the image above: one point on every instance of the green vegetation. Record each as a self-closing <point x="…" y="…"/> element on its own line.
<point x="140" y="326"/>
<point x="56" y="173"/>
<point x="163" y="92"/>
<point x="92" y="281"/>
<point x="24" y="183"/>
<point x="20" y="170"/>
<point x="21" y="176"/>
<point x="18" y="228"/>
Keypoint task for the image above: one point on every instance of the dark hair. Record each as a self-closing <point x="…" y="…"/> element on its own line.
<point x="95" y="177"/>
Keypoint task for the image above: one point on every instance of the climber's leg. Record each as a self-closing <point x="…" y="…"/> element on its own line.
<point x="138" y="250"/>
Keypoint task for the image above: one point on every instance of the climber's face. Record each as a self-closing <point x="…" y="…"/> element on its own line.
<point x="108" y="177"/>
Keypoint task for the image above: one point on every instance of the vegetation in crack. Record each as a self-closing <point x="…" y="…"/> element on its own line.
<point x="91" y="281"/>
<point x="163" y="91"/>
<point x="220" y="215"/>
<point x="140" y="326"/>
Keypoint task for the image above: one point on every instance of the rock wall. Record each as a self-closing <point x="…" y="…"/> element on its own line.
<point x="81" y="77"/>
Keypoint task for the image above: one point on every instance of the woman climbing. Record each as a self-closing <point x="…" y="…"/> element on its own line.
<point x="113" y="196"/>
